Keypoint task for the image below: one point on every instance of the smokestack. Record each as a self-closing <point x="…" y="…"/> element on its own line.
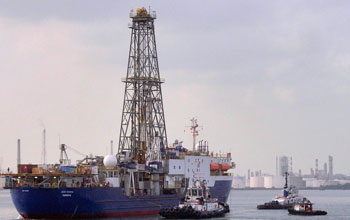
<point x="316" y="169"/>
<point x="18" y="152"/>
<point x="330" y="164"/>
<point x="299" y="172"/>
<point x="325" y="169"/>
<point x="111" y="147"/>
<point x="276" y="166"/>
<point x="248" y="174"/>
<point x="44" y="147"/>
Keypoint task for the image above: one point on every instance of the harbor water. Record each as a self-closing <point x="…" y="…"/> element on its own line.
<point x="243" y="205"/>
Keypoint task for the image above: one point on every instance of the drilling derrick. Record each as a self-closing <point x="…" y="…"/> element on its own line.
<point x="142" y="123"/>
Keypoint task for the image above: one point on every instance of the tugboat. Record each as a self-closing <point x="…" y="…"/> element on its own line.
<point x="290" y="197"/>
<point x="305" y="208"/>
<point x="196" y="204"/>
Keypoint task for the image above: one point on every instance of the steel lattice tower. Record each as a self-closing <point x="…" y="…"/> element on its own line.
<point x="142" y="119"/>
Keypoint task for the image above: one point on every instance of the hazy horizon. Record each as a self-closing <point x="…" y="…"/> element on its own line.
<point x="264" y="78"/>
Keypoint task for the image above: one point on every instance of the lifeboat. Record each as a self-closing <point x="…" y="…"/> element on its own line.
<point x="225" y="167"/>
<point x="216" y="166"/>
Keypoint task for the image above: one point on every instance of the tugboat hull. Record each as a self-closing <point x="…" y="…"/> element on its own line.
<point x="315" y="212"/>
<point x="189" y="213"/>
<point x="272" y="205"/>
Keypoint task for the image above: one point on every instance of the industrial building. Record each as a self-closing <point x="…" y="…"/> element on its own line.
<point x="283" y="165"/>
<point x="316" y="178"/>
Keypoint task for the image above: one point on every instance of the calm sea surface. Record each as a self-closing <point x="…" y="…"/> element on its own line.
<point x="243" y="205"/>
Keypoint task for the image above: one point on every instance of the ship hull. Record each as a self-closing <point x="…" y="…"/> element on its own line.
<point x="107" y="202"/>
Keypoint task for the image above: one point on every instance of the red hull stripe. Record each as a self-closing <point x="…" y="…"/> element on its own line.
<point x="92" y="215"/>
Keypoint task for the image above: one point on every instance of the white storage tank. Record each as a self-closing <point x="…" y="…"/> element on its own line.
<point x="247" y="183"/>
<point x="257" y="182"/>
<point x="309" y="181"/>
<point x="316" y="183"/>
<point x="110" y="161"/>
<point x="320" y="183"/>
<point x="268" y="182"/>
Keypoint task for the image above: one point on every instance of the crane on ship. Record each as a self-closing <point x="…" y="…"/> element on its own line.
<point x="64" y="160"/>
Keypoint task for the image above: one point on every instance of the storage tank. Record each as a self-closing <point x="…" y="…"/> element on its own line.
<point x="309" y="182"/>
<point x="110" y="161"/>
<point x="247" y="183"/>
<point x="257" y="182"/>
<point x="268" y="182"/>
<point x="316" y="183"/>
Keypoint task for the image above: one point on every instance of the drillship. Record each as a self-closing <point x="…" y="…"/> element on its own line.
<point x="146" y="174"/>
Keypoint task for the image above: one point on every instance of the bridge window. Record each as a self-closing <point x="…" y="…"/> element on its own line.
<point x="200" y="193"/>
<point x="194" y="192"/>
<point x="189" y="192"/>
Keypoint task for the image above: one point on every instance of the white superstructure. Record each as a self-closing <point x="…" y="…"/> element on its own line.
<point x="196" y="167"/>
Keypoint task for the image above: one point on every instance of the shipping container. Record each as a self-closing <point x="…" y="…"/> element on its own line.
<point x="26" y="168"/>
<point x="37" y="170"/>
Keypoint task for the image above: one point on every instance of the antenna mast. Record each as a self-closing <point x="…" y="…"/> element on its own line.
<point x="194" y="131"/>
<point x="44" y="147"/>
<point x="111" y="147"/>
<point x="143" y="118"/>
<point x="18" y="151"/>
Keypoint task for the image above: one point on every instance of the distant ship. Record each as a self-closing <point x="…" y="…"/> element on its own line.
<point x="146" y="174"/>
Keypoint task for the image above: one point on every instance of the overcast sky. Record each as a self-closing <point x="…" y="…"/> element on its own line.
<point x="264" y="78"/>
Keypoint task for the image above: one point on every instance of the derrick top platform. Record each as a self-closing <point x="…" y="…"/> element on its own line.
<point x="142" y="14"/>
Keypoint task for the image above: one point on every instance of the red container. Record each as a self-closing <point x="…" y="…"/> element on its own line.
<point x="26" y="168"/>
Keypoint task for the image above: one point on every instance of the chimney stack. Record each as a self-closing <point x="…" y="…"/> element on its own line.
<point x="111" y="147"/>
<point x="18" y="152"/>
<point x="330" y="164"/>
<point x="44" y="147"/>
